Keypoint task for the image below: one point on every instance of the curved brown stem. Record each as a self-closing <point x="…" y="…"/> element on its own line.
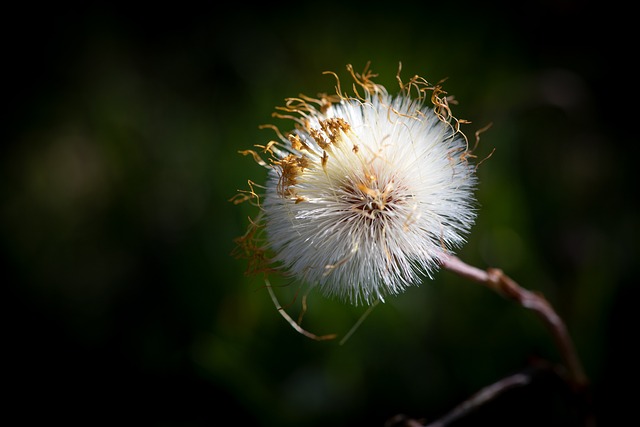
<point x="496" y="280"/>
<point x="483" y="396"/>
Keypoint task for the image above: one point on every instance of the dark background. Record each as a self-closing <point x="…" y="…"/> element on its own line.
<point x="119" y="155"/>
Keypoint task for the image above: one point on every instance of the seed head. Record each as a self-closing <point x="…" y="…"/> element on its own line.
<point x="365" y="193"/>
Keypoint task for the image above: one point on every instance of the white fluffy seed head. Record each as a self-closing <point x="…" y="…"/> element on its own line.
<point x="367" y="192"/>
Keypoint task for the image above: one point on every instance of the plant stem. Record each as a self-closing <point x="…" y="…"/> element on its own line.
<point x="496" y="280"/>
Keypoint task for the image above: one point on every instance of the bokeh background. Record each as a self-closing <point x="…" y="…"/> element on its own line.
<point x="119" y="155"/>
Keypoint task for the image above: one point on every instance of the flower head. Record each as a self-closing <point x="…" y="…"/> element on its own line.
<point x="366" y="192"/>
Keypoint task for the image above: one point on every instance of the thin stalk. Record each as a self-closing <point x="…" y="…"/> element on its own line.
<point x="499" y="282"/>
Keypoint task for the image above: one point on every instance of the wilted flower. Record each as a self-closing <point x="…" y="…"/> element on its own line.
<point x="367" y="191"/>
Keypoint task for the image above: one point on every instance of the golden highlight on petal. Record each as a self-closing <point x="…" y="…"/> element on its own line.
<point x="290" y="168"/>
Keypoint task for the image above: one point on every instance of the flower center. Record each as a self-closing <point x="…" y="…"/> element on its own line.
<point x="369" y="200"/>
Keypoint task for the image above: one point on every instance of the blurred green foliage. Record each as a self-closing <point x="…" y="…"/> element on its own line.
<point x="120" y="155"/>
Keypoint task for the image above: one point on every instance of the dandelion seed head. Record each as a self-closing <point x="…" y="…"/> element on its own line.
<point x="366" y="192"/>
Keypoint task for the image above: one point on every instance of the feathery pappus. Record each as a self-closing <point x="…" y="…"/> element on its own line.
<point x="365" y="191"/>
